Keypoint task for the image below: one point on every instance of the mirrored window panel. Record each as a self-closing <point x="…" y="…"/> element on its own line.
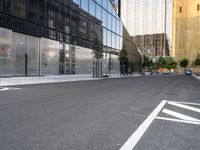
<point x="49" y="56"/>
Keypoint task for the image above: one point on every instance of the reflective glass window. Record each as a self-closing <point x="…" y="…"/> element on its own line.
<point x="67" y="38"/>
<point x="110" y="7"/>
<point x="104" y="18"/>
<point x="99" y="2"/>
<point x="116" y="15"/>
<point x="98" y="12"/>
<point x="92" y="7"/>
<point x="104" y="36"/>
<point x="113" y="24"/>
<point x="33" y="55"/>
<point x="67" y="47"/>
<point x="105" y="3"/>
<point x="120" y="43"/>
<point x="19" y="47"/>
<point x="67" y="29"/>
<point x="109" y="25"/>
<point x="113" y="40"/>
<point x="85" y="4"/>
<point x="78" y="2"/>
<point x="121" y="29"/>
<point x="113" y="11"/>
<point x="117" y="27"/>
<point x="109" y="39"/>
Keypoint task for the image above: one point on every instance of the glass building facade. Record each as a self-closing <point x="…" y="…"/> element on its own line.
<point x="147" y="17"/>
<point x="39" y="37"/>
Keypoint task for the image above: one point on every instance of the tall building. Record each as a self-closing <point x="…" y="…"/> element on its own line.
<point x="40" y="37"/>
<point x="148" y="17"/>
<point x="186" y="29"/>
<point x="152" y="45"/>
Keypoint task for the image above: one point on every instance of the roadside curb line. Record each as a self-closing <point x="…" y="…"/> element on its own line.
<point x="196" y="77"/>
<point x="115" y="77"/>
<point x="53" y="82"/>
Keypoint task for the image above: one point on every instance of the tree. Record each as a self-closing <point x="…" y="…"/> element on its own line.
<point x="97" y="51"/>
<point x="161" y="62"/>
<point x="147" y="63"/>
<point x="170" y="63"/>
<point x="197" y="61"/>
<point x="123" y="59"/>
<point x="184" y="63"/>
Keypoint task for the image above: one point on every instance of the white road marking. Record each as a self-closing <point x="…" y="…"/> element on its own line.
<point x="8" y="88"/>
<point x="4" y="89"/>
<point x="185" y="106"/>
<point x="135" y="137"/>
<point x="179" y="115"/>
<point x="187" y="103"/>
<point x="178" y="120"/>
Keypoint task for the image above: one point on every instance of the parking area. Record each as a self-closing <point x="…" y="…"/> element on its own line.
<point x="173" y="125"/>
<point x="145" y="112"/>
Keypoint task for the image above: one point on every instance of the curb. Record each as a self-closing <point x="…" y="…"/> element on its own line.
<point x="115" y="77"/>
<point x="196" y="77"/>
<point x="61" y="81"/>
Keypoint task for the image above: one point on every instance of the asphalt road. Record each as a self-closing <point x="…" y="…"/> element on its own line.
<point x="98" y="115"/>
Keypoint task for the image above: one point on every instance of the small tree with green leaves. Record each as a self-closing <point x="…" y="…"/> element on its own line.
<point x="184" y="63"/>
<point x="123" y="59"/>
<point x="97" y="51"/>
<point x="147" y="63"/>
<point x="170" y="63"/>
<point x="161" y="62"/>
<point x="197" y="60"/>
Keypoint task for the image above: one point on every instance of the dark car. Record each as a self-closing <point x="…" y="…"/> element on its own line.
<point x="188" y="72"/>
<point x="167" y="72"/>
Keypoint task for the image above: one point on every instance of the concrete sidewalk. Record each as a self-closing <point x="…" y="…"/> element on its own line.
<point x="11" y="81"/>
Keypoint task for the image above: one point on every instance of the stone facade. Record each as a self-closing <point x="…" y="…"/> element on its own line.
<point x="186" y="29"/>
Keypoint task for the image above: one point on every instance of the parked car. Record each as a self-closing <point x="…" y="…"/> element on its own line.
<point x="188" y="72"/>
<point x="105" y="75"/>
<point x="148" y="73"/>
<point x="167" y="72"/>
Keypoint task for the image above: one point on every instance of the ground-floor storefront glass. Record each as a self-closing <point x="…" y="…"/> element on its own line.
<point x="25" y="55"/>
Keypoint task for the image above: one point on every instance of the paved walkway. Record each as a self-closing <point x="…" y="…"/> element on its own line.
<point x="11" y="81"/>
